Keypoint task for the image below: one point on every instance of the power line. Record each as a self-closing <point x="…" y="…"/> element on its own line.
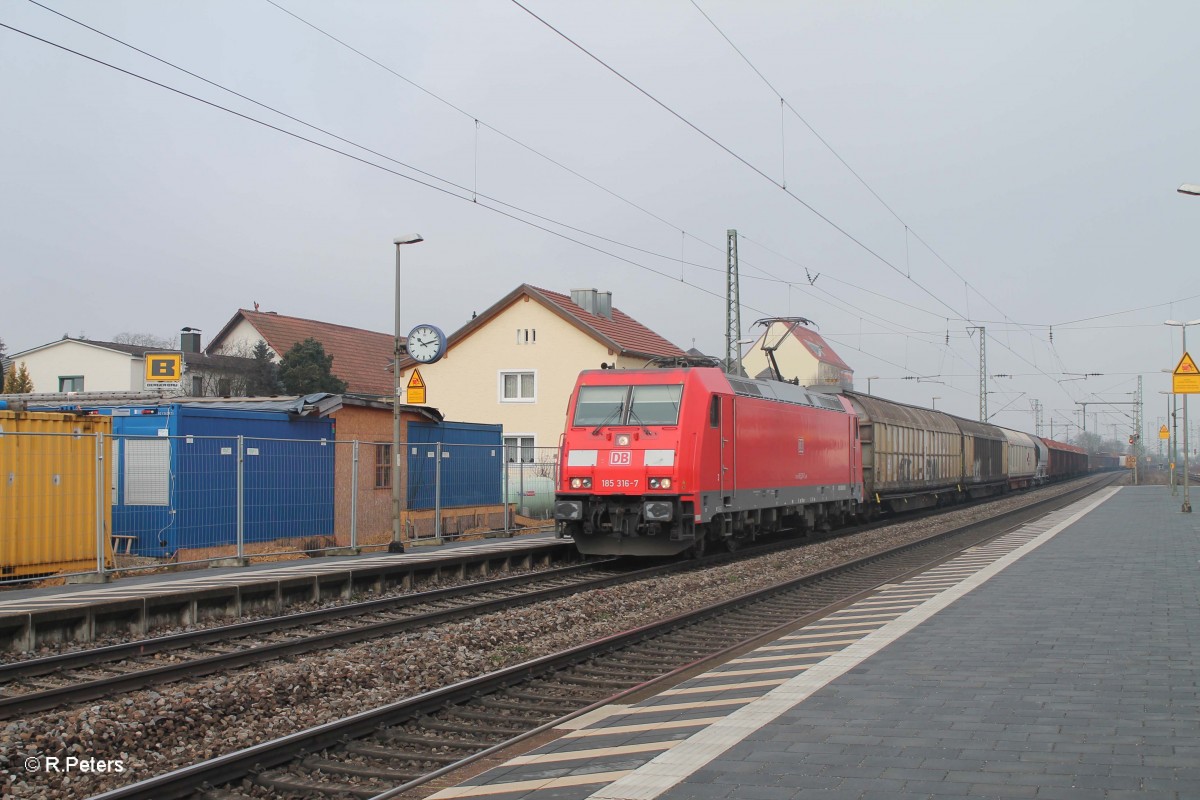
<point x="474" y="195"/>
<point x="737" y="157"/>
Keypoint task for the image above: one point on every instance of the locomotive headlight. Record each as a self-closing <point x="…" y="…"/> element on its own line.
<point x="623" y="440"/>
<point x="660" y="483"/>
<point x="581" y="483"/>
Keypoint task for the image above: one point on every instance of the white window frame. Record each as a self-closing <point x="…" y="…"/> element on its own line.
<point x="514" y="440"/>
<point x="500" y="385"/>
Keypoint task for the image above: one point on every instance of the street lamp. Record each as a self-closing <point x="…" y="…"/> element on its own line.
<point x="1187" y="500"/>
<point x="397" y="544"/>
<point x="869" y="379"/>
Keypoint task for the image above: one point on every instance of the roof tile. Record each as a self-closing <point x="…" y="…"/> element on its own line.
<point x="361" y="358"/>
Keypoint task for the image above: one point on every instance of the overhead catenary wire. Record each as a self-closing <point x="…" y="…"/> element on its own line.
<point x="762" y="174"/>
<point x="737" y="157"/>
<point x="516" y="210"/>
<point x="474" y="195"/>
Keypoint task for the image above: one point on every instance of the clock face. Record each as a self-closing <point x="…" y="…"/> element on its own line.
<point x="426" y="343"/>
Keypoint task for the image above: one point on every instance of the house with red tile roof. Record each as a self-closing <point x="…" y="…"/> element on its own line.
<point x="802" y="354"/>
<point x="361" y="358"/>
<point x="516" y="362"/>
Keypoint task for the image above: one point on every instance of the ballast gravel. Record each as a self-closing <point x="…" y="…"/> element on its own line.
<point x="147" y="733"/>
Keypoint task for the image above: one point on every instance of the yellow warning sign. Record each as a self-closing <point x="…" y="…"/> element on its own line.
<point x="1163" y="433"/>
<point x="416" y="389"/>
<point x="1186" y="378"/>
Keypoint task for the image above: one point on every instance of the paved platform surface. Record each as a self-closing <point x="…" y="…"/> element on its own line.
<point x="1061" y="662"/>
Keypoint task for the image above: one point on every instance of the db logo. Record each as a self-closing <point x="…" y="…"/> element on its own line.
<point x="620" y="458"/>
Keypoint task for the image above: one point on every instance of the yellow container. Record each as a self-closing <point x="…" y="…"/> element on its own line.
<point x="48" y="493"/>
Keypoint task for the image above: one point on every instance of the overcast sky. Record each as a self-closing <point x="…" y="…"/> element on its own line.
<point x="947" y="165"/>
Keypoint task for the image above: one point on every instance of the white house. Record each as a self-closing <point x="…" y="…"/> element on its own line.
<point x="84" y="365"/>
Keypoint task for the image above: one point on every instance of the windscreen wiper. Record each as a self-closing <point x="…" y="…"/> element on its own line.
<point x="615" y="412"/>
<point x="633" y="417"/>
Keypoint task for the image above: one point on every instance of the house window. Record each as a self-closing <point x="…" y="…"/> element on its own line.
<point x="383" y="466"/>
<point x="518" y="449"/>
<point x="197" y="386"/>
<point x="224" y="387"/>
<point x="526" y="335"/>
<point x="518" y="387"/>
<point x="70" y="383"/>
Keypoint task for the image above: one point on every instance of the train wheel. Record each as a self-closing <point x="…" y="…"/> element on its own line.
<point x="700" y="546"/>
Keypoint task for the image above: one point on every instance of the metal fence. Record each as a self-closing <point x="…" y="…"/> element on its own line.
<point x="73" y="503"/>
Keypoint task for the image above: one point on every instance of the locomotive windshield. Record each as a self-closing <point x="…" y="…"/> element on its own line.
<point x="628" y="405"/>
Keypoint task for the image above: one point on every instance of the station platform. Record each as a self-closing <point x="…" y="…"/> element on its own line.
<point x="1058" y="662"/>
<point x="135" y="604"/>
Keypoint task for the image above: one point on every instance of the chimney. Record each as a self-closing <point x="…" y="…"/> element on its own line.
<point x="593" y="302"/>
<point x="189" y="340"/>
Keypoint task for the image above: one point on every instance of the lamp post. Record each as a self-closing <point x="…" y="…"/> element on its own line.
<point x="1183" y="326"/>
<point x="1173" y="435"/>
<point x="397" y="544"/>
<point x="1192" y="189"/>
<point x="869" y="379"/>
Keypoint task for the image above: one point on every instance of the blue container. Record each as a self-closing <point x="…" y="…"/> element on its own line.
<point x="176" y="470"/>
<point x="472" y="464"/>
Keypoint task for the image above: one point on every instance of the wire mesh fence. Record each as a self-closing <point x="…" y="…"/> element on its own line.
<point x="73" y="503"/>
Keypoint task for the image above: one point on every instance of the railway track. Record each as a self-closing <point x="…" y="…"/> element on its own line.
<point x="30" y="686"/>
<point x="35" y="685"/>
<point x="399" y="747"/>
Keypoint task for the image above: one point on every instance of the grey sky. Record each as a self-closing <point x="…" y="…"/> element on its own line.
<point x="1036" y="147"/>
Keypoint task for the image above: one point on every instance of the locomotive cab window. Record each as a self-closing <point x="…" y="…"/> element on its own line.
<point x="714" y="412"/>
<point x="628" y="405"/>
<point x="600" y="405"/>
<point x="655" y="405"/>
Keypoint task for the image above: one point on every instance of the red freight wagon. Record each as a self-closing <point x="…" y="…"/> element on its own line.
<point x="659" y="461"/>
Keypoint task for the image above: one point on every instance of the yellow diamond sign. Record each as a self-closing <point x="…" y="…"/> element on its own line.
<point x="1163" y="433"/>
<point x="1186" y="378"/>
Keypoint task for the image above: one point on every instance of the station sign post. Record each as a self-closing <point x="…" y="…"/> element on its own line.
<point x="1185" y="380"/>
<point x="164" y="370"/>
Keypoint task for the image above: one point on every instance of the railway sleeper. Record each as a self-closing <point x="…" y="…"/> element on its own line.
<point x="527" y="714"/>
<point x="376" y="751"/>
<point x="407" y="737"/>
<point x="680" y="649"/>
<point x="551" y="694"/>
<point x="285" y="782"/>
<point x="467" y="727"/>
<point x="614" y="669"/>
<point x="650" y="659"/>
<point x="501" y="705"/>
<point x="584" y="680"/>
<point x="329" y="766"/>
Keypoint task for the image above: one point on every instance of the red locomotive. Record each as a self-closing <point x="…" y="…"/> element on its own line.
<point x="657" y="462"/>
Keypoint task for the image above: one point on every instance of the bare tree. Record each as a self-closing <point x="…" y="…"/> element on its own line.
<point x="144" y="340"/>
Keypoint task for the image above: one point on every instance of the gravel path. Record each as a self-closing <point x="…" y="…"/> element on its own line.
<point x="151" y="732"/>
